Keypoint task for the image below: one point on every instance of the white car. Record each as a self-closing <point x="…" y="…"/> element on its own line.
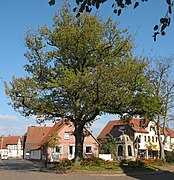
<point x="4" y="156"/>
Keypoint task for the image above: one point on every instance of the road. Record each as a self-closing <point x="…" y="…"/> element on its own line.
<point x="26" y="170"/>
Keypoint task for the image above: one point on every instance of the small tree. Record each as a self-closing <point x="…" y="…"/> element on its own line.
<point x="52" y="142"/>
<point x="77" y="70"/>
<point x="162" y="83"/>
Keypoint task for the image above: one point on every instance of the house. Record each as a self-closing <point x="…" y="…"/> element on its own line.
<point x="11" y="146"/>
<point x="142" y="130"/>
<point x="33" y="137"/>
<point x="65" y="148"/>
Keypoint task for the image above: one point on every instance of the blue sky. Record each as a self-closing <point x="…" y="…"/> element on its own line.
<point x="19" y="15"/>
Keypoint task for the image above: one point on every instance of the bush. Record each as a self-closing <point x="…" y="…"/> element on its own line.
<point x="92" y="161"/>
<point x="100" y="163"/>
<point x="64" y="165"/>
<point x="170" y="157"/>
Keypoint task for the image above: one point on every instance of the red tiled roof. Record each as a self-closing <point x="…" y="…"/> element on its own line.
<point x="134" y="124"/>
<point x="169" y="131"/>
<point x="109" y="127"/>
<point x="51" y="131"/>
<point x="8" y="140"/>
<point x="138" y="125"/>
<point x="36" y="133"/>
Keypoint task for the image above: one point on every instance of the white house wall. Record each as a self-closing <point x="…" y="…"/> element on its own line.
<point x="15" y="150"/>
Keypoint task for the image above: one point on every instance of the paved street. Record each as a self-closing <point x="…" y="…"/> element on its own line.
<point x="25" y="170"/>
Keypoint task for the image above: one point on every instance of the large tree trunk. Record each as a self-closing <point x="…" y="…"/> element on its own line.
<point x="79" y="139"/>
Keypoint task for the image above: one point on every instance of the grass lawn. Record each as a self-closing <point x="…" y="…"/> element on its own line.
<point x="97" y="165"/>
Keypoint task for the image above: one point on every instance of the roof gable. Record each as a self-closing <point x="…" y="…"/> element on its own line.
<point x="51" y="131"/>
<point x="57" y="128"/>
<point x="9" y="140"/>
<point x="138" y="125"/>
<point x="36" y="133"/>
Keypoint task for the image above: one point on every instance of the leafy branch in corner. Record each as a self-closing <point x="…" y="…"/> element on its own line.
<point x="164" y="22"/>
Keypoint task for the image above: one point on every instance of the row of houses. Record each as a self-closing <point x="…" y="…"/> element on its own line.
<point x="39" y="142"/>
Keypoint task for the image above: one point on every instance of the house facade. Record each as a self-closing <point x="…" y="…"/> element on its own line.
<point x="65" y="147"/>
<point x="144" y="131"/>
<point x="11" y="146"/>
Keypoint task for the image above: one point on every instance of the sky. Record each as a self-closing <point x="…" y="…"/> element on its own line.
<point x="19" y="15"/>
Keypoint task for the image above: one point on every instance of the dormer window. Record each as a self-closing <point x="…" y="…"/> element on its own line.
<point x="122" y="128"/>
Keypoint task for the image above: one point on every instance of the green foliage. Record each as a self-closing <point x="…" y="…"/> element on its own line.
<point x="78" y="69"/>
<point x="66" y="162"/>
<point x="92" y="162"/>
<point x="108" y="145"/>
<point x="53" y="141"/>
<point x="170" y="157"/>
<point x="64" y="165"/>
<point x="100" y="163"/>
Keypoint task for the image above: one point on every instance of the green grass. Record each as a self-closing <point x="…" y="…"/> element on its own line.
<point x="98" y="165"/>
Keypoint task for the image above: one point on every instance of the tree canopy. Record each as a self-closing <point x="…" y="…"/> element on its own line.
<point x="78" y="69"/>
<point x="119" y="5"/>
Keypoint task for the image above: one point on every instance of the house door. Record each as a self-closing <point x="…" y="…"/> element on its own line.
<point x="71" y="152"/>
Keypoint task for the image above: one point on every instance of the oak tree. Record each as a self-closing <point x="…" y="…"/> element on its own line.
<point x="77" y="69"/>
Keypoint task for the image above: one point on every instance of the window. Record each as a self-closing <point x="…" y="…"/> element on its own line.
<point x="152" y="138"/>
<point x="66" y="135"/>
<point x="122" y="128"/>
<point x="156" y="139"/>
<point x="139" y="138"/>
<point x="120" y="150"/>
<point x="88" y="149"/>
<point x="129" y="150"/>
<point x="58" y="149"/>
<point x="70" y="150"/>
<point x="148" y="138"/>
<point x="145" y="138"/>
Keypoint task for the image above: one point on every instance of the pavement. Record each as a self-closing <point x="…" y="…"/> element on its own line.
<point x="157" y="170"/>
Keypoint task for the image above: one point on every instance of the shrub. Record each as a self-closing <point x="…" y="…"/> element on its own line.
<point x="65" y="163"/>
<point x="170" y="157"/>
<point x="92" y="161"/>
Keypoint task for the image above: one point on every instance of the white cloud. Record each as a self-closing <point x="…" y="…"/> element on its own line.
<point x="13" y="131"/>
<point x="8" y="117"/>
<point x="13" y="125"/>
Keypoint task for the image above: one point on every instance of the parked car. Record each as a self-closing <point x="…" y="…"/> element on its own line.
<point x="4" y="156"/>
